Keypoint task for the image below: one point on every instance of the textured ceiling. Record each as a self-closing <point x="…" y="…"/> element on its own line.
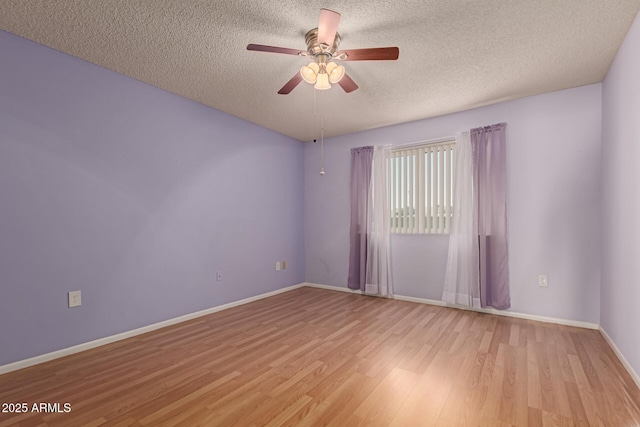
<point x="454" y="54"/>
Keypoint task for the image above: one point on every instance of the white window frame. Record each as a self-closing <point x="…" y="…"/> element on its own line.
<point x="421" y="187"/>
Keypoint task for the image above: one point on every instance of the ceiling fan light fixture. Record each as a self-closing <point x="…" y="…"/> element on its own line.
<point x="335" y="71"/>
<point x="309" y="72"/>
<point x="322" y="83"/>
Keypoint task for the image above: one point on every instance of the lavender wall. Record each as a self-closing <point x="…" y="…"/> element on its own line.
<point x="553" y="198"/>
<point x="136" y="197"/>
<point x="620" y="292"/>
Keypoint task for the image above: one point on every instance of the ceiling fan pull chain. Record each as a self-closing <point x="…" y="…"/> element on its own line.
<point x="322" y="147"/>
<point x="315" y="124"/>
<point x="315" y="119"/>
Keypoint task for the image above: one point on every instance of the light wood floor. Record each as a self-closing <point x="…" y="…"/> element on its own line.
<point x="317" y="357"/>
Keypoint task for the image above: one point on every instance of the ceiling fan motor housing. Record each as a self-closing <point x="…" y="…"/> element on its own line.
<point x="316" y="49"/>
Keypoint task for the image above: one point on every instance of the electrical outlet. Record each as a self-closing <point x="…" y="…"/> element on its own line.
<point x="218" y="276"/>
<point x="278" y="266"/>
<point x="284" y="265"/>
<point x="75" y="298"/>
<point x="542" y="280"/>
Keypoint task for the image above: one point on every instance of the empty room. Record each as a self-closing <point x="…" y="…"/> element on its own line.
<point x="232" y="212"/>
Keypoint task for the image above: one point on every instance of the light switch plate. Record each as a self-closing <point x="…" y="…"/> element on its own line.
<point x="75" y="299"/>
<point x="543" y="281"/>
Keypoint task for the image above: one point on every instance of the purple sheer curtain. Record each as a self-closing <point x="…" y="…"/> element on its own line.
<point x="489" y="177"/>
<point x="361" y="161"/>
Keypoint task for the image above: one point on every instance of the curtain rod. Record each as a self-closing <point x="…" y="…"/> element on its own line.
<point x="426" y="141"/>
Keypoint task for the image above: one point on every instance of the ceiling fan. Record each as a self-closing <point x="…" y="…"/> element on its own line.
<point x="322" y="49"/>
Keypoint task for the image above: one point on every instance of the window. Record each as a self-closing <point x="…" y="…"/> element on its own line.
<point x="422" y="188"/>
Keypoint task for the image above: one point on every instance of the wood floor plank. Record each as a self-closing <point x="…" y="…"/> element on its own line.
<point x="380" y="407"/>
<point x="317" y="357"/>
<point x="534" y="392"/>
<point x="578" y="413"/>
<point x="467" y="395"/>
<point x="534" y="418"/>
<point x="288" y="412"/>
<point x="428" y="397"/>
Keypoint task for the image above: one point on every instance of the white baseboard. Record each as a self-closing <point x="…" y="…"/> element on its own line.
<point x="124" y="335"/>
<point x="333" y="288"/>
<point x="622" y="359"/>
<point x="566" y="322"/>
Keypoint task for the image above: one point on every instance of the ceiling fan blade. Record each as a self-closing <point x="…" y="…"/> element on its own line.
<point x="274" y="49"/>
<point x="372" y="54"/>
<point x="347" y="84"/>
<point x="291" y="84"/>
<point x="328" y="26"/>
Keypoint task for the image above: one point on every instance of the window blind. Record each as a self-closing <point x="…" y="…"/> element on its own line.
<point x="421" y="188"/>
